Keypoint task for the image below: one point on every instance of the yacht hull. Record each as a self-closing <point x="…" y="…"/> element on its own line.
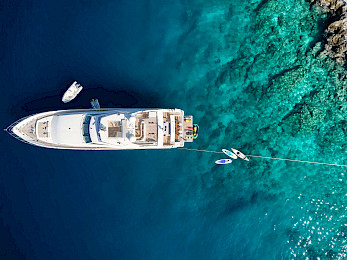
<point x="31" y="130"/>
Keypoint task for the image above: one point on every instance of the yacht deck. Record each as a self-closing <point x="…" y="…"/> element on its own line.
<point x="146" y="129"/>
<point x="152" y="128"/>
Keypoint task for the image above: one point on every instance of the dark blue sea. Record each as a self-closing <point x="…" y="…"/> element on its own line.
<point x="252" y="74"/>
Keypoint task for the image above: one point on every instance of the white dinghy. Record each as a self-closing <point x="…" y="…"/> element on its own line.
<point x="72" y="92"/>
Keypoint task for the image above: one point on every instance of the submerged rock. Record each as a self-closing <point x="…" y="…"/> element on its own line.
<point x="336" y="46"/>
<point x="336" y="33"/>
<point x="329" y="5"/>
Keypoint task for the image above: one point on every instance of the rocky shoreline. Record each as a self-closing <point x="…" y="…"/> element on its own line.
<point x="336" y="33"/>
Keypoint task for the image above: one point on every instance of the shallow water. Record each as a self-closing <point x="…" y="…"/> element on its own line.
<point x="251" y="73"/>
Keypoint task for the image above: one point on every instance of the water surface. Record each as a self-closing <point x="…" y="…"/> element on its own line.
<point x="252" y="74"/>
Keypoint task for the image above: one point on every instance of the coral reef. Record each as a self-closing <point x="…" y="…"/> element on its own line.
<point x="260" y="82"/>
<point x="336" y="33"/>
<point x="274" y="67"/>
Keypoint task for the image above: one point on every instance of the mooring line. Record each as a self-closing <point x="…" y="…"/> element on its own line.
<point x="291" y="160"/>
<point x="271" y="158"/>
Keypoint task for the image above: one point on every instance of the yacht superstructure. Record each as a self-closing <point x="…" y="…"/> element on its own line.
<point x="107" y="129"/>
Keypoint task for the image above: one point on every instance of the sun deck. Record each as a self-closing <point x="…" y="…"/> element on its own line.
<point x="146" y="127"/>
<point x="114" y="129"/>
<point x="43" y="129"/>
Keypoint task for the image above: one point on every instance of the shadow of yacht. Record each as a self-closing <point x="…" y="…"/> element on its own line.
<point x="107" y="99"/>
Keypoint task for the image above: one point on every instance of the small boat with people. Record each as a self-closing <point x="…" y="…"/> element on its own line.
<point x="239" y="154"/>
<point x="72" y="92"/>
<point x="230" y="154"/>
<point x="223" y="161"/>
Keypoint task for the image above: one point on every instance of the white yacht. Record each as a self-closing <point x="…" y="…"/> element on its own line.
<point x="106" y="129"/>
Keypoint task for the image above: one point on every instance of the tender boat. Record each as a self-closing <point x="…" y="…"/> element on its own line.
<point x="223" y="161"/>
<point x="230" y="154"/>
<point x="239" y="154"/>
<point x="106" y="129"/>
<point x="72" y="92"/>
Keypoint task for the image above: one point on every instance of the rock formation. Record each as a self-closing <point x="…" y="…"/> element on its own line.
<point x="336" y="33"/>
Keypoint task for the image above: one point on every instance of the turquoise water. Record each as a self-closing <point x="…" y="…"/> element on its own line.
<point x="253" y="75"/>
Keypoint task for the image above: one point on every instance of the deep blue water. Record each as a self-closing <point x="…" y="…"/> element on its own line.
<point x="245" y="70"/>
<point x="81" y="205"/>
